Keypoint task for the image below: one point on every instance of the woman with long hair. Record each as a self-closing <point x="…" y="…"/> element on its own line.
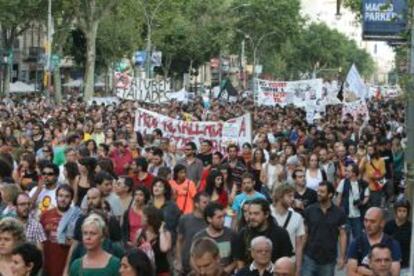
<point x="229" y="185"/>
<point x="155" y="239"/>
<point x="105" y="164"/>
<point x="26" y="175"/>
<point x="132" y="219"/>
<point x="215" y="188"/>
<point x="87" y="167"/>
<point x="161" y="199"/>
<point x="96" y="261"/>
<point x="92" y="148"/>
<point x="373" y="173"/>
<point x="72" y="174"/>
<point x="136" y="263"/>
<point x="256" y="166"/>
<point x="314" y="175"/>
<point x="183" y="188"/>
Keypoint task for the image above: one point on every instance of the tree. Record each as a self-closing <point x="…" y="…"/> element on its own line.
<point x="63" y="17"/>
<point x="89" y="14"/>
<point x="319" y="47"/>
<point x="266" y="24"/>
<point x="16" y="17"/>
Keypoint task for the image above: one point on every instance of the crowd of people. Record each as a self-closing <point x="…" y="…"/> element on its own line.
<point x="83" y="193"/>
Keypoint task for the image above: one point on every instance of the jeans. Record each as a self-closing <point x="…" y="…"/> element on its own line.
<point x="311" y="268"/>
<point x="354" y="226"/>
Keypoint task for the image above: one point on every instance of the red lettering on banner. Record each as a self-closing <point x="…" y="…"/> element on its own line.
<point x="242" y="131"/>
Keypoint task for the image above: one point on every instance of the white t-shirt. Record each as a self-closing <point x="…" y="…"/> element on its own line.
<point x="353" y="195"/>
<point x="313" y="182"/>
<point x="272" y="173"/>
<point x="295" y="227"/>
<point x="45" y="201"/>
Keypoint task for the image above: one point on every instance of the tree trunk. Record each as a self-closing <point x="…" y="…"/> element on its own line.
<point x="6" y="82"/>
<point x="58" y="84"/>
<point x="89" y="77"/>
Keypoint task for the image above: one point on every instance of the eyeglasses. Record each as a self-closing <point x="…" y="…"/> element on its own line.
<point x="48" y="173"/>
<point x="300" y="176"/>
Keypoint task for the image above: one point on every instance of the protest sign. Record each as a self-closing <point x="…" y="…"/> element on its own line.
<point x="281" y="93"/>
<point x="104" y="100"/>
<point x="237" y="130"/>
<point x="146" y="90"/>
<point x="354" y="86"/>
<point x="356" y="109"/>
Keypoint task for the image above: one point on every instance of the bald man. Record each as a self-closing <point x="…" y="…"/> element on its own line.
<point x="359" y="249"/>
<point x="284" y="267"/>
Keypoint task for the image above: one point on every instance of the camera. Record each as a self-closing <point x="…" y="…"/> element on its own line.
<point x="357" y="203"/>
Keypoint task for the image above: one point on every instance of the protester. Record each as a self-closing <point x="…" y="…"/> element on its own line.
<point x="290" y="220"/>
<point x="43" y="195"/>
<point x="205" y="258"/>
<point x="26" y="260"/>
<point x="193" y="165"/>
<point x="140" y="174"/>
<point x="133" y="217"/>
<point x="59" y="226"/>
<point x="136" y="263"/>
<point x="12" y="234"/>
<point x="161" y="199"/>
<point x="261" y="223"/>
<point x="359" y="248"/>
<point x="304" y="196"/>
<point x="284" y="267"/>
<point x="324" y="222"/>
<point x="353" y="196"/>
<point x="188" y="226"/>
<point x="34" y="231"/>
<point x="123" y="187"/>
<point x="261" y="253"/>
<point x="214" y="214"/>
<point x="400" y="229"/>
<point x="248" y="193"/>
<point x="183" y="188"/>
<point x="155" y="239"/>
<point x="380" y="261"/>
<point x="96" y="261"/>
<point x="216" y="189"/>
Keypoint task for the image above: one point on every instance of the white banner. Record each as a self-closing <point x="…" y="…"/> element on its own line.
<point x="237" y="130"/>
<point x="273" y="93"/>
<point x="146" y="90"/>
<point x="104" y="100"/>
<point x="354" y="87"/>
<point x="356" y="109"/>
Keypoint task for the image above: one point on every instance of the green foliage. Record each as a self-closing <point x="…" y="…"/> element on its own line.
<point x="319" y="47"/>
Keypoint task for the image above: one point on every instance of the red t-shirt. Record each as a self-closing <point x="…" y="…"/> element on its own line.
<point x="147" y="181"/>
<point x="135" y="223"/>
<point x="55" y="254"/>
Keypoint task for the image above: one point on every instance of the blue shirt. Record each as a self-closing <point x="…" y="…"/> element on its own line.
<point x="240" y="199"/>
<point x="360" y="248"/>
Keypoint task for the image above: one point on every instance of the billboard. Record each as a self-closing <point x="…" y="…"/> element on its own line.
<point x="384" y="20"/>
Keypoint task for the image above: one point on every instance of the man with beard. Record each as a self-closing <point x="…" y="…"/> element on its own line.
<point x="34" y="230"/>
<point x="194" y="165"/>
<point x="248" y="193"/>
<point x="224" y="237"/>
<point x="261" y="223"/>
<point x="325" y="222"/>
<point x="59" y="225"/>
<point x="283" y="197"/>
<point x="43" y="195"/>
<point x="327" y="165"/>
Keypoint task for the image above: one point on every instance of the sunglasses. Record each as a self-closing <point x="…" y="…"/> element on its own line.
<point x="48" y="173"/>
